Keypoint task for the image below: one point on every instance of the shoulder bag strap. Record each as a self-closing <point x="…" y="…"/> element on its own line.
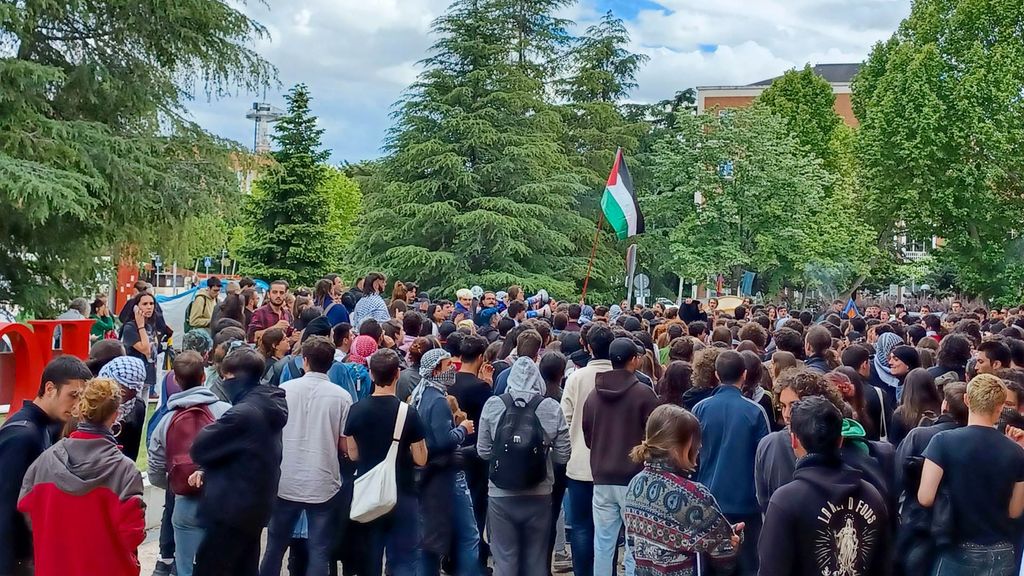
<point x="884" y="436"/>
<point x="403" y="410"/>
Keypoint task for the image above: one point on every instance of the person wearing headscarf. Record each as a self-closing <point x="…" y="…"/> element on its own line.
<point x="446" y="509"/>
<point x="614" y="311"/>
<point x="130" y="373"/>
<point x="352" y="374"/>
<point x="882" y="400"/>
<point x="362" y="348"/>
<point x="519" y="520"/>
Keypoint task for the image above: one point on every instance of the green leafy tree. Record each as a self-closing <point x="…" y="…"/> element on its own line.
<point x="293" y="229"/>
<point x="477" y="187"/>
<point x="603" y="72"/>
<point x="942" y="124"/>
<point x="755" y="213"/>
<point x="806" y="102"/>
<point x="96" y="156"/>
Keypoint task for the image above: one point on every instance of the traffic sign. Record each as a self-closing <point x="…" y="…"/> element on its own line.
<point x="641" y="282"/>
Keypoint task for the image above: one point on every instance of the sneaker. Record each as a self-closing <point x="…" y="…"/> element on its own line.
<point x="562" y="563"/>
<point x="165" y="569"/>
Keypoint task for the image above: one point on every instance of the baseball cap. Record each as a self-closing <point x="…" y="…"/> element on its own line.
<point x="622" y="350"/>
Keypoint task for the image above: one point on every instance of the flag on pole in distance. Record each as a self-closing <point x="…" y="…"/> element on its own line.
<point x="619" y="204"/>
<point x="851" y="309"/>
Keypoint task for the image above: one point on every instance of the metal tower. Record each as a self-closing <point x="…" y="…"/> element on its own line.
<point x="263" y="114"/>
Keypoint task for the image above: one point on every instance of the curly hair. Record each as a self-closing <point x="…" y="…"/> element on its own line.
<point x="704" y="375"/>
<point x="807" y="383"/>
<point x="99" y="400"/>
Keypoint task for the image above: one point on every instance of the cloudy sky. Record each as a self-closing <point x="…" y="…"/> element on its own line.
<point x="358" y="56"/>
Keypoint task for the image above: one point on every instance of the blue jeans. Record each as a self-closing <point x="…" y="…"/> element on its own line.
<point x="464" y="531"/>
<point x="580" y="515"/>
<point x="609" y="514"/>
<point x="972" y="560"/>
<point x="188" y="533"/>
<point x="322" y="520"/>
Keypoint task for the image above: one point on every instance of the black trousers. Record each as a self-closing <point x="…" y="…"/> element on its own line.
<point x="166" y="530"/>
<point x="557" y="494"/>
<point x="229" y="551"/>
<point x="476" y="477"/>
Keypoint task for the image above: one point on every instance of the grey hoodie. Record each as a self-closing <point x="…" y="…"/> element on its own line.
<point x="525" y="382"/>
<point x="200" y="395"/>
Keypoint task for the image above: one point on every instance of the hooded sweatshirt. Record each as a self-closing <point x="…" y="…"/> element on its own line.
<point x="240" y="455"/>
<point x="622" y="405"/>
<point x="525" y="382"/>
<point x="83" y="499"/>
<point x="828" y="520"/>
<point x="198" y="396"/>
<point x="775" y="462"/>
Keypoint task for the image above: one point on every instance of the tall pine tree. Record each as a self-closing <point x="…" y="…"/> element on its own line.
<point x="477" y="187"/>
<point x="289" y="231"/>
<point x="602" y="73"/>
<point x="97" y="154"/>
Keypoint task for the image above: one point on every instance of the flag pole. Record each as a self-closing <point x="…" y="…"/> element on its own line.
<point x="593" y="252"/>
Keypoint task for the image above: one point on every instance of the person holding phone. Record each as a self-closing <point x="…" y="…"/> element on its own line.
<point x="140" y="335"/>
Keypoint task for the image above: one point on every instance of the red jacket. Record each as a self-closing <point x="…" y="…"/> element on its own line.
<point x="83" y="500"/>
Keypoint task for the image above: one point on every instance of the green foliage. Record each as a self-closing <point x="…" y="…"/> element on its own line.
<point x="771" y="216"/>
<point x="300" y="214"/>
<point x="95" y="156"/>
<point x="806" y="102"/>
<point x="477" y="187"/>
<point x="942" y="125"/>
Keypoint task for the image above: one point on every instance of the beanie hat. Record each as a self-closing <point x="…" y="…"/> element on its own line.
<point x="908" y="355"/>
<point x="484" y="316"/>
<point x="197" y="340"/>
<point x="362" y="348"/>
<point x="431" y="359"/>
<point x="319" y="326"/>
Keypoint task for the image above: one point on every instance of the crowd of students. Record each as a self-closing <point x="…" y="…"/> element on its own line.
<point x="528" y="437"/>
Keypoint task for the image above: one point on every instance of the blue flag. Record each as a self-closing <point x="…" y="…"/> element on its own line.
<point x="851" y="309"/>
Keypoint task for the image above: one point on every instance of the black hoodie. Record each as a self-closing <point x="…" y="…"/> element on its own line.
<point x="622" y="405"/>
<point x="240" y="455"/>
<point x="828" y="520"/>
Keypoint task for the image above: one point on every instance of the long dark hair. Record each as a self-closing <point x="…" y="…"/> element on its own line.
<point x="231" y="308"/>
<point x="920" y="395"/>
<point x="552" y="370"/>
<point x="674" y="382"/>
<point x="858" y="403"/>
<point x="322" y="293"/>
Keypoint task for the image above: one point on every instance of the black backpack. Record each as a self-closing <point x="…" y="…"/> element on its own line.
<point x="520" y="458"/>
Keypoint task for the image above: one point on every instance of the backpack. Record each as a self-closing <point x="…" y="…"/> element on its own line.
<point x="520" y="457"/>
<point x="182" y="430"/>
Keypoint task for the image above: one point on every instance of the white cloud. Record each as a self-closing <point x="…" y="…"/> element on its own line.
<point x="358" y="56"/>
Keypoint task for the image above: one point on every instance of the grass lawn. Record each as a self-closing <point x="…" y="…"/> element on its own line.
<point x="143" y="461"/>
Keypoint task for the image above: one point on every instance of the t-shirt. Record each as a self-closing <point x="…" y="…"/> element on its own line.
<point x="979" y="469"/>
<point x="317" y="408"/>
<point x="472" y="393"/>
<point x="371" y="422"/>
<point x="130" y="337"/>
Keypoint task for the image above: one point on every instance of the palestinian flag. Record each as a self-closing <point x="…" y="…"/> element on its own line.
<point x="619" y="201"/>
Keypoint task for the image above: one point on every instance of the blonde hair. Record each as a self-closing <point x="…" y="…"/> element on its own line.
<point x="704" y="375"/>
<point x="669" y="427"/>
<point x="985" y="393"/>
<point x="99" y="400"/>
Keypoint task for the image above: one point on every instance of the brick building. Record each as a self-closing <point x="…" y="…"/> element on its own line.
<point x="838" y="75"/>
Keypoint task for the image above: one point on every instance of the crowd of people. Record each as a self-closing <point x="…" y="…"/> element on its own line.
<point x="513" y="434"/>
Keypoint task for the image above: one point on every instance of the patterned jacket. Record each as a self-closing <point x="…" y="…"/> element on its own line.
<point x="673" y="523"/>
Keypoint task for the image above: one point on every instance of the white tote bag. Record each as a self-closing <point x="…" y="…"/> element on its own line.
<point x="375" y="493"/>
